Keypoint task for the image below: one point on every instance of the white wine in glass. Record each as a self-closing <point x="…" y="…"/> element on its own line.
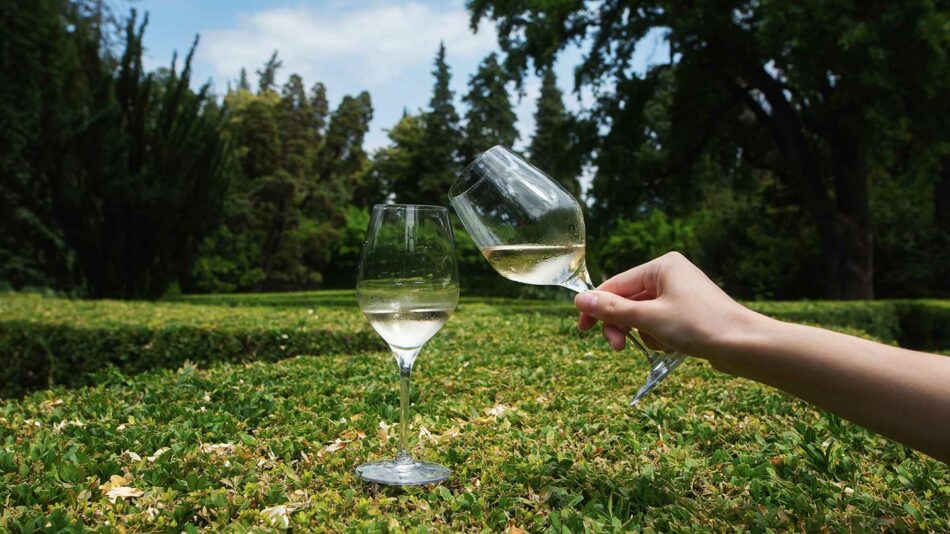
<point x="531" y="230"/>
<point x="407" y="288"/>
<point x="538" y="265"/>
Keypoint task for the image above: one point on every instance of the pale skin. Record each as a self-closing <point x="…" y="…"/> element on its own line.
<point x="900" y="393"/>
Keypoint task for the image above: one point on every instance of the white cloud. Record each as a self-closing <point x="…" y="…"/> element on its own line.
<point x="368" y="46"/>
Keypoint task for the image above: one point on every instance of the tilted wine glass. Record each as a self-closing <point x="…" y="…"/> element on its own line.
<point x="407" y="287"/>
<point x="531" y="230"/>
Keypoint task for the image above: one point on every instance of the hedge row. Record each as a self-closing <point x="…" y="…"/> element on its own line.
<point x="46" y="341"/>
<point x="918" y="324"/>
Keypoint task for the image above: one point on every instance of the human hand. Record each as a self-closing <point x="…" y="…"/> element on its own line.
<point x="673" y="305"/>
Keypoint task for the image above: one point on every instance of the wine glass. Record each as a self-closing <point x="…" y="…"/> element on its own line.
<point x="531" y="230"/>
<point x="407" y="287"/>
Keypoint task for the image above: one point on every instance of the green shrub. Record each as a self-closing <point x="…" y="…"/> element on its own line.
<point x="878" y="318"/>
<point x="46" y="341"/>
<point x="918" y="324"/>
<point x="924" y="324"/>
<point x="632" y="242"/>
<point x="915" y="324"/>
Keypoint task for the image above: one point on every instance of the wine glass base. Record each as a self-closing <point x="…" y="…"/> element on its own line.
<point x="409" y="473"/>
<point x="662" y="365"/>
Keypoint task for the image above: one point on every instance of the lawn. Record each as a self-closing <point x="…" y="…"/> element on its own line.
<point x="531" y="416"/>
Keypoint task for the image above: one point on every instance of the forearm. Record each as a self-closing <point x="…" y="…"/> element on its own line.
<point x="897" y="392"/>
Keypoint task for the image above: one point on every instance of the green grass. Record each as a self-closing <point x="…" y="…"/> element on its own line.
<point x="531" y="416"/>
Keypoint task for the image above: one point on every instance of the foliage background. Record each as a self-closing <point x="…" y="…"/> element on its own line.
<point x="790" y="151"/>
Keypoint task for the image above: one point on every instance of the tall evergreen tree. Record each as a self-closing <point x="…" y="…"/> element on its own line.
<point x="319" y="108"/>
<point x="554" y="146"/>
<point x="128" y="168"/>
<point x="259" y="136"/>
<point x="298" y="139"/>
<point x="396" y="168"/>
<point x="267" y="75"/>
<point x="243" y="84"/>
<point x="490" y="120"/>
<point x="343" y="160"/>
<point x="443" y="139"/>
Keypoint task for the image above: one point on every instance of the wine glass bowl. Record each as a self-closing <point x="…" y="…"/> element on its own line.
<point x="528" y="227"/>
<point x="407" y="288"/>
<point x="531" y="230"/>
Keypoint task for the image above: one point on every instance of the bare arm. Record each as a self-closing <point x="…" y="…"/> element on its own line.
<point x="899" y="393"/>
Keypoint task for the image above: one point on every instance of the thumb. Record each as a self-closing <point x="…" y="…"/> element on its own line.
<point x="609" y="308"/>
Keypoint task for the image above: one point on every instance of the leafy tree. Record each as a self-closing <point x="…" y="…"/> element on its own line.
<point x="490" y="120"/>
<point x="816" y="79"/>
<point x="556" y="145"/>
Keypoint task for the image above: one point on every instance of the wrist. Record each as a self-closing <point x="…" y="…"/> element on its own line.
<point x="745" y="334"/>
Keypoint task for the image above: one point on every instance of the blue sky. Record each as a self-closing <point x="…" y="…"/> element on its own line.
<point x="383" y="46"/>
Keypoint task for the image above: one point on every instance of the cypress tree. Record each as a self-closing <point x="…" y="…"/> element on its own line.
<point x="554" y="146"/>
<point x="439" y="161"/>
<point x="267" y="80"/>
<point x="243" y="84"/>
<point x="490" y="120"/>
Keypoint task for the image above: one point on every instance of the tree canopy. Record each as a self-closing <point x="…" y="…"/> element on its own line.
<point x="821" y="95"/>
<point x="792" y="151"/>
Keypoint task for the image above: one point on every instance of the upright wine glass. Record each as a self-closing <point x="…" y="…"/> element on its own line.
<point x="407" y="288"/>
<point x="531" y="230"/>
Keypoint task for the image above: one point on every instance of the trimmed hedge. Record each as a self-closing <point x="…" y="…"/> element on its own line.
<point x="878" y="318"/>
<point x="925" y="324"/>
<point x="47" y="341"/>
<point x="917" y="324"/>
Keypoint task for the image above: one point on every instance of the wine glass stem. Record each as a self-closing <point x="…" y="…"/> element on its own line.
<point x="403" y="456"/>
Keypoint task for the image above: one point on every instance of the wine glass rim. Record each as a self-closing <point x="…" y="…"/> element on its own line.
<point x="468" y="168"/>
<point x="414" y="206"/>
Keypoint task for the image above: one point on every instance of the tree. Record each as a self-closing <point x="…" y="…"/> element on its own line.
<point x="243" y="84"/>
<point x="396" y="168"/>
<point x="267" y="75"/>
<point x="439" y="161"/>
<point x="490" y="120"/>
<point x="128" y="168"/>
<point x="816" y="78"/>
<point x="555" y="147"/>
<point x="298" y="137"/>
<point x="37" y="59"/>
<point x="282" y="208"/>
<point x="320" y="109"/>
<point x="258" y="134"/>
<point x="343" y="160"/>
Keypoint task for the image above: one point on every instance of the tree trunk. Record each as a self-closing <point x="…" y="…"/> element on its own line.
<point x="843" y="221"/>
<point x="853" y="219"/>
